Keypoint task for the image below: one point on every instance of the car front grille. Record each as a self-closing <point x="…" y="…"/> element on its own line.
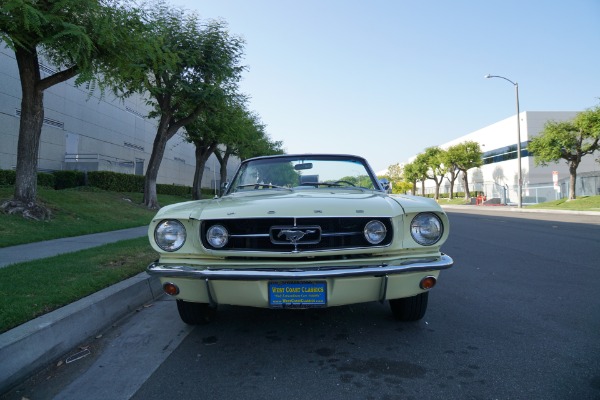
<point x="295" y="234"/>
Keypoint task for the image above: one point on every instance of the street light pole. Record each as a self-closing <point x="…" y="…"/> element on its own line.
<point x="519" y="172"/>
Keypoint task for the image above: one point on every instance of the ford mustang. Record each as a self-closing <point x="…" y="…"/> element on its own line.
<point x="300" y="231"/>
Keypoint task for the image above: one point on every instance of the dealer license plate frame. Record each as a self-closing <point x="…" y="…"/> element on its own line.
<point x="297" y="294"/>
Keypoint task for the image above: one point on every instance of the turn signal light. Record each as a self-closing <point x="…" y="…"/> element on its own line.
<point x="171" y="289"/>
<point x="428" y="282"/>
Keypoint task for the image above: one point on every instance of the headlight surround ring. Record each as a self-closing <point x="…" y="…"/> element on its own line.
<point x="375" y="232"/>
<point x="426" y="229"/>
<point x="217" y="236"/>
<point x="170" y="235"/>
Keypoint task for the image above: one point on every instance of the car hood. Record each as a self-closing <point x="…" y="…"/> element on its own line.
<point x="298" y="204"/>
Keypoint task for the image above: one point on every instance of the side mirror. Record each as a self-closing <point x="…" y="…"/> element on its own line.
<point x="386" y="185"/>
<point x="224" y="187"/>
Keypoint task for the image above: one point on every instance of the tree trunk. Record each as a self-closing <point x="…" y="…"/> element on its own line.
<point x="158" y="151"/>
<point x="30" y="127"/>
<point x="452" y="180"/>
<point x="573" y="179"/>
<point x="223" y="160"/>
<point x="28" y="146"/>
<point x="223" y="168"/>
<point x="203" y="152"/>
<point x="30" y="130"/>
<point x="466" y="183"/>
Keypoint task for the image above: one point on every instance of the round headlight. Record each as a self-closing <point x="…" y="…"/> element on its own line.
<point x="217" y="236"/>
<point x="169" y="235"/>
<point x="375" y="232"/>
<point x="426" y="229"/>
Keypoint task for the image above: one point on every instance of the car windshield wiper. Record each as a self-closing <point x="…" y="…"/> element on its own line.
<point x="317" y="184"/>
<point x="344" y="184"/>
<point x="262" y="186"/>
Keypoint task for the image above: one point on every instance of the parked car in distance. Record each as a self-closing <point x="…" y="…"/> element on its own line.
<point x="300" y="231"/>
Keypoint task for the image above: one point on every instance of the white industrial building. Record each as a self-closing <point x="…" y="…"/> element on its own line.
<point x="86" y="131"/>
<point x="498" y="177"/>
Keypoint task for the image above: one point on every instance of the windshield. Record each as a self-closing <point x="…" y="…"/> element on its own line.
<point x="303" y="172"/>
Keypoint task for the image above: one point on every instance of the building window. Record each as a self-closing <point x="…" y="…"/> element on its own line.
<point x="504" y="154"/>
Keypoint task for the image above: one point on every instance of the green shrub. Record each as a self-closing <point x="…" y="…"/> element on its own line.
<point x="176" y="190"/>
<point x="104" y="180"/>
<point x="45" y="179"/>
<point x="68" y="179"/>
<point x="116" y="182"/>
<point x="7" y="177"/>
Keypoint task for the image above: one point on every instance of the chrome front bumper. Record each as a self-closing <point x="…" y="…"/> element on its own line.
<point x="207" y="273"/>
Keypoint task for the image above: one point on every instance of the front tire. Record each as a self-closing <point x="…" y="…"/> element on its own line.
<point x="410" y="308"/>
<point x="195" y="313"/>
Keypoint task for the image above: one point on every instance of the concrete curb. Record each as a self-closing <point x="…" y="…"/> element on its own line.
<point x="29" y="347"/>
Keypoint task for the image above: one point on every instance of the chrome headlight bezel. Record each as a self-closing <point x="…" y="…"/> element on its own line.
<point x="170" y="235"/>
<point x="217" y="236"/>
<point x="375" y="232"/>
<point x="426" y="228"/>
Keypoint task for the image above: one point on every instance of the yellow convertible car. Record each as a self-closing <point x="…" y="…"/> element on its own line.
<point x="299" y="231"/>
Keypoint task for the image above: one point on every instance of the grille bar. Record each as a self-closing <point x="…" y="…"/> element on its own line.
<point x="313" y="234"/>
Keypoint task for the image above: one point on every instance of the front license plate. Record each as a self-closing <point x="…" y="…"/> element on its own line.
<point x="297" y="294"/>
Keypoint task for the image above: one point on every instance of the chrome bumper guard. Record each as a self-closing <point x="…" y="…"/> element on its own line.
<point x="186" y="271"/>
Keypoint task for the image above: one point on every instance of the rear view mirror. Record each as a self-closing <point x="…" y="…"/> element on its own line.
<point x="300" y="167"/>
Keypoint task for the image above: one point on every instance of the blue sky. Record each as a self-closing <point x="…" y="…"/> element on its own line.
<point x="385" y="79"/>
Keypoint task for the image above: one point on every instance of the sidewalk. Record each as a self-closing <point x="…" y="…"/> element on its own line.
<point x="49" y="248"/>
<point x="29" y="347"/>
<point x="514" y="209"/>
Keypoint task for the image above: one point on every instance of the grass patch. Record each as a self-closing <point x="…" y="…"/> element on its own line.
<point x="584" y="203"/>
<point x="79" y="211"/>
<point x="460" y="201"/>
<point x="34" y="288"/>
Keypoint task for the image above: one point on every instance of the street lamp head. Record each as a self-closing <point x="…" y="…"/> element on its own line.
<point x="501" y="77"/>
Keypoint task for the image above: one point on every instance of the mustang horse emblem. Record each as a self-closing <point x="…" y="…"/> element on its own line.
<point x="294" y="235"/>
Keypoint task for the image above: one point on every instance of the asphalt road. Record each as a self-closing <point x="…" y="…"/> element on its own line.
<point x="518" y="317"/>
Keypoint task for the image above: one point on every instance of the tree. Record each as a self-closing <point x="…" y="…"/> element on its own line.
<point x="205" y="141"/>
<point x="241" y="133"/>
<point x="395" y="172"/>
<point x="252" y="142"/>
<point x="569" y="141"/>
<point x="450" y="158"/>
<point x="411" y="176"/>
<point x="396" y="176"/>
<point x="466" y="155"/>
<point x="243" y="136"/>
<point x="213" y="127"/>
<point x="434" y="159"/>
<point x="75" y="36"/>
<point x="185" y="65"/>
<point x="233" y="131"/>
<point x="420" y="168"/>
<point x="393" y="175"/>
